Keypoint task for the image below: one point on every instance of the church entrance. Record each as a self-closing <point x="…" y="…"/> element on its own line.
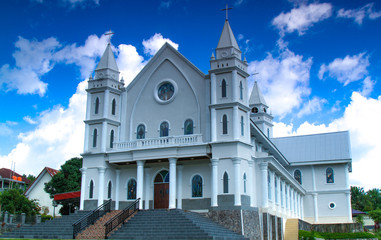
<point x="161" y="190"/>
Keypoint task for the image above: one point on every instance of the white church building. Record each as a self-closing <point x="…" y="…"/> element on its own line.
<point x="176" y="137"/>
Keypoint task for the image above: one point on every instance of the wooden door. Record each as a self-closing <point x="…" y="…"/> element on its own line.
<point x="161" y="195"/>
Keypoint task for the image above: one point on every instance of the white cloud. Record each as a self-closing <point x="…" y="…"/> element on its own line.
<point x="367" y="86"/>
<point x="153" y="44"/>
<point x="129" y="62"/>
<point x="300" y="19"/>
<point x="360" y="14"/>
<point x="280" y="76"/>
<point x="361" y="117"/>
<point x="29" y="120"/>
<point x="348" y="69"/>
<point x="312" y="106"/>
<point x="5" y="130"/>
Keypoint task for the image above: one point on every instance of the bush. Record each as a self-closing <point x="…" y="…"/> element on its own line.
<point x="304" y="235"/>
<point x="45" y="217"/>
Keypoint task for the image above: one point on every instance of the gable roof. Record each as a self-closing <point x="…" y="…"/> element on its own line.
<point x="50" y="171"/>
<point x="322" y="148"/>
<point x="8" y="173"/>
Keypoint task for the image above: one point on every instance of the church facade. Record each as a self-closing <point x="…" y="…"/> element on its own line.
<point x="178" y="138"/>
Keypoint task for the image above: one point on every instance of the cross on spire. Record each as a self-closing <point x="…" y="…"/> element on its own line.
<point x="227" y="10"/>
<point x="109" y="34"/>
<point x="254" y="73"/>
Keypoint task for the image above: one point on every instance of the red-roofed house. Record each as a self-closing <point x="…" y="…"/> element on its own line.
<point x="9" y="178"/>
<point x="36" y="191"/>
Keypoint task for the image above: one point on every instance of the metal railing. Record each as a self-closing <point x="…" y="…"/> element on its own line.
<point x="91" y="217"/>
<point x="121" y="217"/>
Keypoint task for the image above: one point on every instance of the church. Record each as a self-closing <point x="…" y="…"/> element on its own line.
<point x="176" y="137"/>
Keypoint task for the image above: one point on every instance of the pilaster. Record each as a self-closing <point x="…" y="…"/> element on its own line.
<point x="214" y="201"/>
<point x="117" y="187"/>
<point x="83" y="187"/>
<point x="101" y="177"/>
<point x="172" y="183"/>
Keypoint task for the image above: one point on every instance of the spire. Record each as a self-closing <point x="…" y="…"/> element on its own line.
<point x="227" y="38"/>
<point x="108" y="60"/>
<point x="256" y="97"/>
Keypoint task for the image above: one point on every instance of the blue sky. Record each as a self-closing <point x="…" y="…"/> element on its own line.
<point x="319" y="65"/>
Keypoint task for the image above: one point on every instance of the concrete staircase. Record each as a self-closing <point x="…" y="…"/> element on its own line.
<point x="57" y="228"/>
<point x="172" y="224"/>
<point x="97" y="230"/>
<point x="292" y="229"/>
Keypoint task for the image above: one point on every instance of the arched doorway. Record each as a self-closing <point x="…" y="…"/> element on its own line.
<point x="161" y="190"/>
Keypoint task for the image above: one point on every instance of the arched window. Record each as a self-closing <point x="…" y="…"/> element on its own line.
<point x="91" y="189"/>
<point x="131" y="189"/>
<point x="162" y="177"/>
<point x="242" y="126"/>
<point x="109" y="188"/>
<point x="96" y="106"/>
<point x="197" y="186"/>
<point x="223" y="88"/>
<point x="188" y="127"/>
<point x="224" y="124"/>
<point x="244" y="182"/>
<point x="113" y="107"/>
<point x="330" y="175"/>
<point x="95" y="136"/>
<point x="226" y="182"/>
<point x="140" y="131"/>
<point x="298" y="176"/>
<point x="164" y="129"/>
<point x="111" y="138"/>
<point x="240" y="90"/>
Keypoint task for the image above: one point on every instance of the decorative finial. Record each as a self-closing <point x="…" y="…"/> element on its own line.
<point x="109" y="34"/>
<point x="212" y="57"/>
<point x="226" y="9"/>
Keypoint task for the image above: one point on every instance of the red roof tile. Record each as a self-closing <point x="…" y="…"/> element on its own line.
<point x="8" y="173"/>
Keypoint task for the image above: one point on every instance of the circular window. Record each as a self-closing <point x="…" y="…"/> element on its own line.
<point x="254" y="110"/>
<point x="165" y="91"/>
<point x="332" y="205"/>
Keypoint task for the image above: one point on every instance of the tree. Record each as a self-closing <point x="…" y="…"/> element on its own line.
<point x="360" y="199"/>
<point x="374" y="197"/>
<point x="376" y="216"/>
<point x="31" y="178"/>
<point x="68" y="179"/>
<point x="15" y="202"/>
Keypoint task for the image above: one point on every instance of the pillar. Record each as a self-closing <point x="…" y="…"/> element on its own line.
<point x="117" y="188"/>
<point x="88" y="111"/>
<point x="101" y="189"/>
<point x="213" y="128"/>
<point x="302" y="207"/>
<point x="283" y="184"/>
<point x="104" y="124"/>
<point x="314" y="195"/>
<point x="250" y="183"/>
<point x="83" y="188"/>
<point x="147" y="182"/>
<point x="179" y="186"/>
<point x="140" y="182"/>
<point x="273" y="192"/>
<point x="213" y="88"/>
<point x="265" y="190"/>
<point x="237" y="181"/>
<point x="349" y="209"/>
<point x="234" y="86"/>
<point x="172" y="183"/>
<point x="214" y="197"/>
<point x="277" y="179"/>
<point x="236" y="123"/>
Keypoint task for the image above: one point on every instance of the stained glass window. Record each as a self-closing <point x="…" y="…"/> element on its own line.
<point x="96" y="106"/>
<point x="113" y="107"/>
<point x="188" y="127"/>
<point x="109" y="188"/>
<point x="95" y="135"/>
<point x="112" y="139"/>
<point x="166" y="91"/>
<point x="197" y="186"/>
<point x="330" y="175"/>
<point x="226" y="182"/>
<point x="164" y="127"/>
<point x="131" y="189"/>
<point x="140" y="131"/>
<point x="224" y="124"/>
<point x="298" y="176"/>
<point x="91" y="189"/>
<point x="223" y="88"/>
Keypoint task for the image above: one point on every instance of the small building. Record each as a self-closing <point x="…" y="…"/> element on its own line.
<point x="12" y="180"/>
<point x="36" y="191"/>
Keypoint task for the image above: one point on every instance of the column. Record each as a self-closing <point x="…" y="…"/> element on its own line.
<point x="213" y="88"/>
<point x="272" y="177"/>
<point x="277" y="179"/>
<point x="313" y="178"/>
<point x="117" y="188"/>
<point x="179" y="186"/>
<point x="265" y="191"/>
<point x="83" y="188"/>
<point x="292" y="201"/>
<point x="88" y="113"/>
<point x="237" y="181"/>
<point x="236" y="123"/>
<point x="172" y="183"/>
<point x="140" y="182"/>
<point x="213" y="124"/>
<point x="234" y="85"/>
<point x="101" y="189"/>
<point x="104" y="124"/>
<point x="314" y="195"/>
<point x="299" y="215"/>
<point x="250" y="183"/>
<point x="302" y="206"/>
<point x="104" y="137"/>
<point x="214" y="197"/>
<point x="86" y="142"/>
<point x="248" y="126"/>
<point x="283" y="196"/>
<point x="349" y="210"/>
<point x="147" y="182"/>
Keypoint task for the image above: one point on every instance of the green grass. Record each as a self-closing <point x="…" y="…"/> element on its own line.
<point x="304" y="235"/>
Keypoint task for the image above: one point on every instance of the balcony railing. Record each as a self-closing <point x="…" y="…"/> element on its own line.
<point x="160" y="142"/>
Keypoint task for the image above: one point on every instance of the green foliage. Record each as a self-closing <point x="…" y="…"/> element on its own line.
<point x="312" y="235"/>
<point x="375" y="215"/>
<point x="15" y="202"/>
<point x="68" y="179"/>
<point x="45" y="217"/>
<point x="305" y="235"/>
<point x="31" y="179"/>
<point x="365" y="201"/>
<point x="360" y="219"/>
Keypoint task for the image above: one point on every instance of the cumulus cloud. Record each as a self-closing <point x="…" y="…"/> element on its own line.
<point x="153" y="44"/>
<point x="367" y="86"/>
<point x="280" y="76"/>
<point x="361" y="118"/>
<point x="301" y="18"/>
<point x="360" y="14"/>
<point x="312" y="106"/>
<point x="129" y="62"/>
<point x="346" y="70"/>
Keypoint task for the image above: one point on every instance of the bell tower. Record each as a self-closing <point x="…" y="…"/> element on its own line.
<point x="229" y="95"/>
<point x="103" y="112"/>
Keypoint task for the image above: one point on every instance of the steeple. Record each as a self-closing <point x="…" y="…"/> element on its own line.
<point x="227" y="38"/>
<point x="107" y="67"/>
<point x="256" y="97"/>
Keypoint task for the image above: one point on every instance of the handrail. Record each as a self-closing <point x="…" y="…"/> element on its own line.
<point x="91" y="217"/>
<point x="121" y="217"/>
